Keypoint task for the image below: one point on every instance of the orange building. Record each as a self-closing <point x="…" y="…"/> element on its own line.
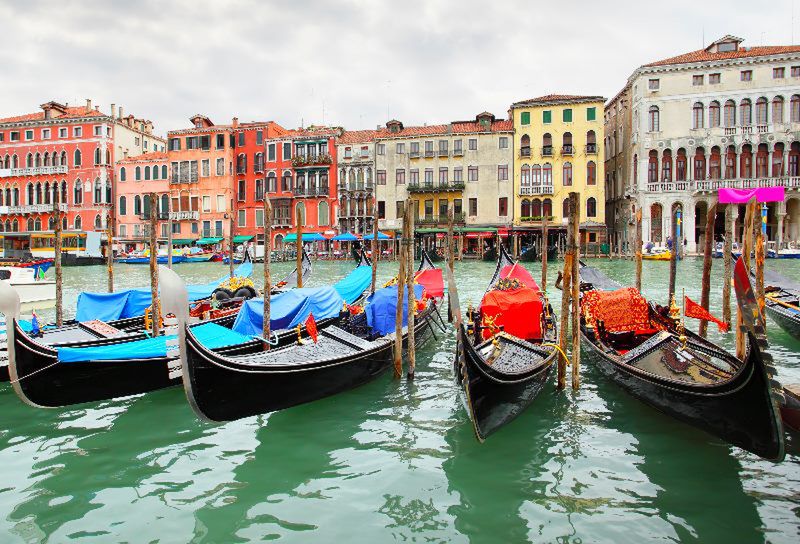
<point x="137" y="177"/>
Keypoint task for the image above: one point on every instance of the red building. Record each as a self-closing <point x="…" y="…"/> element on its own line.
<point x="67" y="149"/>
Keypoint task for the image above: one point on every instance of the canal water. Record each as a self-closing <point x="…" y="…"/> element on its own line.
<point x="392" y="461"/>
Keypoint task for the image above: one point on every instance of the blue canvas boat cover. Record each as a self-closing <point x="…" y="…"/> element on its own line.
<point x="354" y="284"/>
<point x="210" y="335"/>
<point x="381" y="308"/>
<point x="289" y="309"/>
<point x="133" y="302"/>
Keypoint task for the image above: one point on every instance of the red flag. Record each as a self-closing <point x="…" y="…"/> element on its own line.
<point x="311" y="327"/>
<point x="696" y="311"/>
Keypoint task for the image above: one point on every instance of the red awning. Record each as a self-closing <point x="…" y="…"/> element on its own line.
<point x="503" y="232"/>
<point x="479" y="235"/>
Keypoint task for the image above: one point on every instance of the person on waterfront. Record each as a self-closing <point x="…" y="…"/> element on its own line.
<point x="649" y="246"/>
<point x="669" y="242"/>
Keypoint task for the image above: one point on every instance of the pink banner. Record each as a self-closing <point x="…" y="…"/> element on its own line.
<point x="743" y="196"/>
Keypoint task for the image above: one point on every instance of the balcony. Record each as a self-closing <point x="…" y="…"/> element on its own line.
<point x="536" y="218"/>
<point x="161" y="216"/>
<point x="762" y="129"/>
<point x="281" y="222"/>
<point x="435" y="187"/>
<point x="30" y="208"/>
<point x="34" y="171"/>
<point x="524" y="152"/>
<point x="547" y="151"/>
<point x="591" y="149"/>
<point x="789" y="182"/>
<point x="184" y="216"/>
<point x="567" y="150"/>
<point x="310" y="161"/>
<point x="444" y="153"/>
<point x="748" y="130"/>
<point x="212" y="233"/>
<point x="310" y="191"/>
<point x="730" y="131"/>
<point x="356" y="187"/>
<point x="670" y="186"/>
<point x="430" y="219"/>
<point x="528" y="190"/>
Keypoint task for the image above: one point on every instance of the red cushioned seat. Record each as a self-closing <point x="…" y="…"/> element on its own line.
<point x="621" y="310"/>
<point x="519" y="311"/>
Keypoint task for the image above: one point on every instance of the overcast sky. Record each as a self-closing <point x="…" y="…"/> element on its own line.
<point x="348" y="62"/>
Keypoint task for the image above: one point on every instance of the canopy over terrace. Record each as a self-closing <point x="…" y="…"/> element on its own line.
<point x="306" y="237"/>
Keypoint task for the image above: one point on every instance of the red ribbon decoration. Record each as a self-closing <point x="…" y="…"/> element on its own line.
<point x="696" y="311"/>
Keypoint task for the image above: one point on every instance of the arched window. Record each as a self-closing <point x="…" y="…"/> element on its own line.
<point x="730" y="114"/>
<point x="122" y="174"/>
<point x="138" y="173"/>
<point x="525" y="206"/>
<point x="98" y="224"/>
<point x="146" y="206"/>
<point x="108" y="156"/>
<point x="794" y="159"/>
<point x="163" y="171"/>
<point x="272" y="184"/>
<point x="680" y="165"/>
<point x="155" y="172"/>
<point x="37" y="224"/>
<point x="525" y="175"/>
<point x="591" y="207"/>
<point x="48" y="159"/>
<point x="51" y="223"/>
<point x="137" y="205"/>
<point x="652" y="167"/>
<point x="666" y="166"/>
<point x="300" y="187"/>
<point x="38" y="193"/>
<point x="567" y="142"/>
<point x="761" y="111"/>
<point x="700" y="164"/>
<point x="241" y="164"/>
<point x="730" y="163"/>
<point x="164" y="206"/>
<point x="547" y="174"/>
<point x="29" y="192"/>
<point x="38" y="160"/>
<point x="777" y="109"/>
<point x="653" y="119"/>
<point x="536" y="174"/>
<point x="762" y="157"/>
<point x="16" y="196"/>
<point x="323" y="214"/>
<point x="591" y="173"/>
<point x="715" y="163"/>
<point x="525" y="146"/>
<point x="794" y="109"/>
<point x="777" y="160"/>
<point x="536" y="208"/>
<point x="698" y="114"/>
<point x="565" y="208"/>
<point x="64" y="158"/>
<point x="147" y="173"/>
<point x="76" y="161"/>
<point x="713" y="114"/>
<point x="78" y="222"/>
<point x="98" y="191"/>
<point x="301" y="207"/>
<point x="46" y="191"/>
<point x="108" y="192"/>
<point x="15" y="226"/>
<point x="286" y="182"/>
<point x="123" y="205"/>
<point x="64" y="191"/>
<point x="14" y="161"/>
<point x="98" y="156"/>
<point x="547" y="144"/>
<point x="29" y="160"/>
<point x="567" y="175"/>
<point x="746" y="162"/>
<point x="29" y="224"/>
<point x="746" y="112"/>
<point x="591" y="142"/>
<point x="547" y="208"/>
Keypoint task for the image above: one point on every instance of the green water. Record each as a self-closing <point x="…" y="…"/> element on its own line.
<point x="392" y="461"/>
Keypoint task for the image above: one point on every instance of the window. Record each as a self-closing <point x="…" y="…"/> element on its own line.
<point x="413" y="176"/>
<point x="174" y="144"/>
<point x="778" y="73"/>
<point x="473" y="207"/>
<point x="473" y="144"/>
<point x="348" y="152"/>
<point x="138" y="173"/>
<point x="697" y="80"/>
<point x="287" y="151"/>
<point x="502" y="172"/>
<point x="429" y="148"/>
<point x="381" y="177"/>
<point x="241" y="139"/>
<point x="444" y="174"/>
<point x="62" y="133"/>
<point x="713" y="114"/>
<point x="591" y="173"/>
<point x="591" y="207"/>
<point x="220" y="141"/>
<point x="591" y="114"/>
<point x="566" y="115"/>
<point x="653" y="84"/>
<point x="400" y="148"/>
<point x="503" y="142"/>
<point x="220" y="203"/>
<point x="241" y="193"/>
<point x="443" y="148"/>
<point x="122" y="175"/>
<point x="400" y="176"/>
<point x="472" y="173"/>
<point x="746" y="75"/>
<point x="221" y="167"/>
<point x="399" y="208"/>
<point x="260" y="137"/>
<point x="698" y="114"/>
<point x="381" y="209"/>
<point x="730" y="114"/>
<point x="415" y="149"/>
<point x="457" y="147"/>
<point x="761" y="111"/>
<point x="713" y="79"/>
<point x="777" y="109"/>
<point x="45" y="134"/>
<point x="502" y="206"/>
<point x="547" y="117"/>
<point x="28" y="135"/>
<point x="458" y="174"/>
<point x="14" y="136"/>
<point x="271" y="153"/>
<point x="567" y="174"/>
<point x="242" y="218"/>
<point x="746" y="112"/>
<point x="794" y="109"/>
<point x="654" y="120"/>
<point x="205" y="168"/>
<point x="206" y="203"/>
<point x="652" y="167"/>
<point x="76" y="161"/>
<point x="429" y="176"/>
<point x="147" y="173"/>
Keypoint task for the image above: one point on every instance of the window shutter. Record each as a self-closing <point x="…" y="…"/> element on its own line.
<point x="525" y="118"/>
<point x="591" y="114"/>
<point x="547" y="116"/>
<point x="567" y="116"/>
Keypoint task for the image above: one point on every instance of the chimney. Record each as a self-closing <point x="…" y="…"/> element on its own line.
<point x="113" y="111"/>
<point x="235" y="122"/>
<point x="97" y="108"/>
<point x="88" y="105"/>
<point x="126" y="153"/>
<point x="121" y="115"/>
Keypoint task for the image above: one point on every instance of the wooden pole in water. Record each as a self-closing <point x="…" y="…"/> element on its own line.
<point x="412" y="306"/>
<point x="57" y="258"/>
<point x="747" y="247"/>
<point x="169" y="235"/>
<point x="450" y="258"/>
<point x="267" y="267"/>
<point x="566" y="295"/>
<point x="110" y="250"/>
<point x="230" y="244"/>
<point x="398" y="322"/>
<point x="758" y="234"/>
<point x="705" y="287"/>
<point x="638" y="248"/>
<point x="727" y="248"/>
<point x="298" y="219"/>
<point x="155" y="307"/>
<point x="376" y="250"/>
<point x="673" y="259"/>
<point x="575" y="216"/>
<point x="544" y="248"/>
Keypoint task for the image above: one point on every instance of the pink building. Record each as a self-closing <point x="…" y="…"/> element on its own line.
<point x="137" y="177"/>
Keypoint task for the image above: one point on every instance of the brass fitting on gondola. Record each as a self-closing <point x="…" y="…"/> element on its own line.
<point x="677" y="319"/>
<point x="300" y="340"/>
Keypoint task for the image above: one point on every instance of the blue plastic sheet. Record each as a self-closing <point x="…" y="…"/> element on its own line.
<point x="381" y="308"/>
<point x="354" y="284"/>
<point x="210" y="335"/>
<point x="133" y="302"/>
<point x="289" y="309"/>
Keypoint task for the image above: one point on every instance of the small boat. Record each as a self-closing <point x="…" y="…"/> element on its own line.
<point x="506" y="349"/>
<point x="660" y="255"/>
<point x="161" y="259"/>
<point x="782" y="298"/>
<point x="34" y="291"/>
<point x="291" y="279"/>
<point x="356" y="349"/>
<point x="646" y="350"/>
<point x="198" y="256"/>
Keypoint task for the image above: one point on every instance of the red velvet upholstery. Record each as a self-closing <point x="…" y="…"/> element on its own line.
<point x="432" y="281"/>
<point x="519" y="311"/>
<point x="517" y="271"/>
<point x="621" y="310"/>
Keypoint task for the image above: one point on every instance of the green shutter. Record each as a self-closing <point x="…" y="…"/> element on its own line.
<point x="547" y="116"/>
<point x="567" y="117"/>
<point x="525" y="118"/>
<point x="591" y="113"/>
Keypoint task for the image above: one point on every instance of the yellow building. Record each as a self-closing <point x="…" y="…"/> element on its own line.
<point x="558" y="147"/>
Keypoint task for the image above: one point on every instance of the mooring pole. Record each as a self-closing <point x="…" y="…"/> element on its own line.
<point x="110" y="252"/>
<point x="747" y="247"/>
<point x="401" y="273"/>
<point x="673" y="258"/>
<point x="57" y="257"/>
<point x="267" y="267"/>
<point x="155" y="307"/>
<point x="575" y="216"/>
<point x="638" y="248"/>
<point x="727" y="257"/>
<point x="760" y="235"/>
<point x="450" y="258"/>
<point x="376" y="250"/>
<point x="566" y="295"/>
<point x="169" y="234"/>
<point x="705" y="286"/>
<point x="544" y="249"/>
<point x="298" y="218"/>
<point x="412" y="305"/>
<point x="230" y="243"/>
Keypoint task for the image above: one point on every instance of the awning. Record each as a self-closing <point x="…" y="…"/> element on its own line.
<point x="479" y="235"/>
<point x="241" y="238"/>
<point x="307" y="237"/>
<point x="345" y="237"/>
<point x="489" y="230"/>
<point x="208" y="241"/>
<point x="429" y="231"/>
<point x="182" y="241"/>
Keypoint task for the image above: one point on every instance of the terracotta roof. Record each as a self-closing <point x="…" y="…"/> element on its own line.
<point x="702" y="55"/>
<point x="558" y="99"/>
<point x="313" y="131"/>
<point x="70" y="113"/>
<point x="362" y="136"/>
<point x="152" y="156"/>
<point x="456" y="127"/>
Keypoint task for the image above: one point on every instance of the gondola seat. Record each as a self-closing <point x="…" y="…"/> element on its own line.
<point x="517" y="311"/>
<point x="623" y="310"/>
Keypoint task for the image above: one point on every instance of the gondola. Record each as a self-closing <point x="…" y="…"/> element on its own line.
<point x="506" y="349"/>
<point x="290" y="280"/>
<point x="782" y="297"/>
<point x="347" y="354"/>
<point x="645" y="349"/>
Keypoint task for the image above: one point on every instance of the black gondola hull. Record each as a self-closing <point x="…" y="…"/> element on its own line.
<point x="785" y="318"/>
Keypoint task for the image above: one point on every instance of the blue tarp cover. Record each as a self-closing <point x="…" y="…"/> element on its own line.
<point x="210" y="335"/>
<point x="289" y="309"/>
<point x="381" y="308"/>
<point x="133" y="302"/>
<point x="356" y="282"/>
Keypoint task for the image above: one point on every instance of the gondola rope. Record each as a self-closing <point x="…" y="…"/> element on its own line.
<point x="558" y="348"/>
<point x="34" y="372"/>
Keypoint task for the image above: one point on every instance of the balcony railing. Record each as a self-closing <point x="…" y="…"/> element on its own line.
<point x="182" y="216"/>
<point x="413" y="154"/>
<point x="547" y="151"/>
<point x="444" y="153"/>
<point x="788" y="182"/>
<point x="356" y="187"/>
<point x="33" y="171"/>
<point x="434" y="187"/>
<point x="458" y="152"/>
<point x="438" y="219"/>
<point x="310" y="191"/>
<point x="567" y="150"/>
<point x="730" y="131"/>
<point x="524" y="152"/>
<point x="306" y="161"/>
<point x="212" y="233"/>
<point x="762" y="129"/>
<point x="30" y="208"/>
<point x="429" y="153"/>
<point x="281" y="222"/>
<point x="591" y="149"/>
<point x="536" y="190"/>
<point x="536" y="218"/>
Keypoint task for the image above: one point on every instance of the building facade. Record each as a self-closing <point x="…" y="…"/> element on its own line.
<point x="620" y="202"/>
<point x="355" y="151"/>
<point x="137" y="177"/>
<point x="558" y="151"/>
<point x="723" y="116"/>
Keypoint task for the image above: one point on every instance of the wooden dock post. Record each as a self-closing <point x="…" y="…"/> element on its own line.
<point x="760" y="227"/>
<point x="57" y="258"/>
<point x="110" y="252"/>
<point x="376" y="250"/>
<point x="575" y="224"/>
<point x="566" y="295"/>
<point x="673" y="259"/>
<point x="412" y="306"/>
<point x="169" y="235"/>
<point x="401" y="274"/>
<point x="747" y="247"/>
<point x="230" y="243"/>
<point x="267" y="268"/>
<point x="638" y="249"/>
<point x="298" y="219"/>
<point x="727" y="257"/>
<point x="544" y="249"/>
<point x="155" y="307"/>
<point x="705" y="285"/>
<point x="450" y="257"/>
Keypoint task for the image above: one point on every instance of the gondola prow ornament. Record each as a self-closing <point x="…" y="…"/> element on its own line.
<point x="175" y="301"/>
<point x="9" y="305"/>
